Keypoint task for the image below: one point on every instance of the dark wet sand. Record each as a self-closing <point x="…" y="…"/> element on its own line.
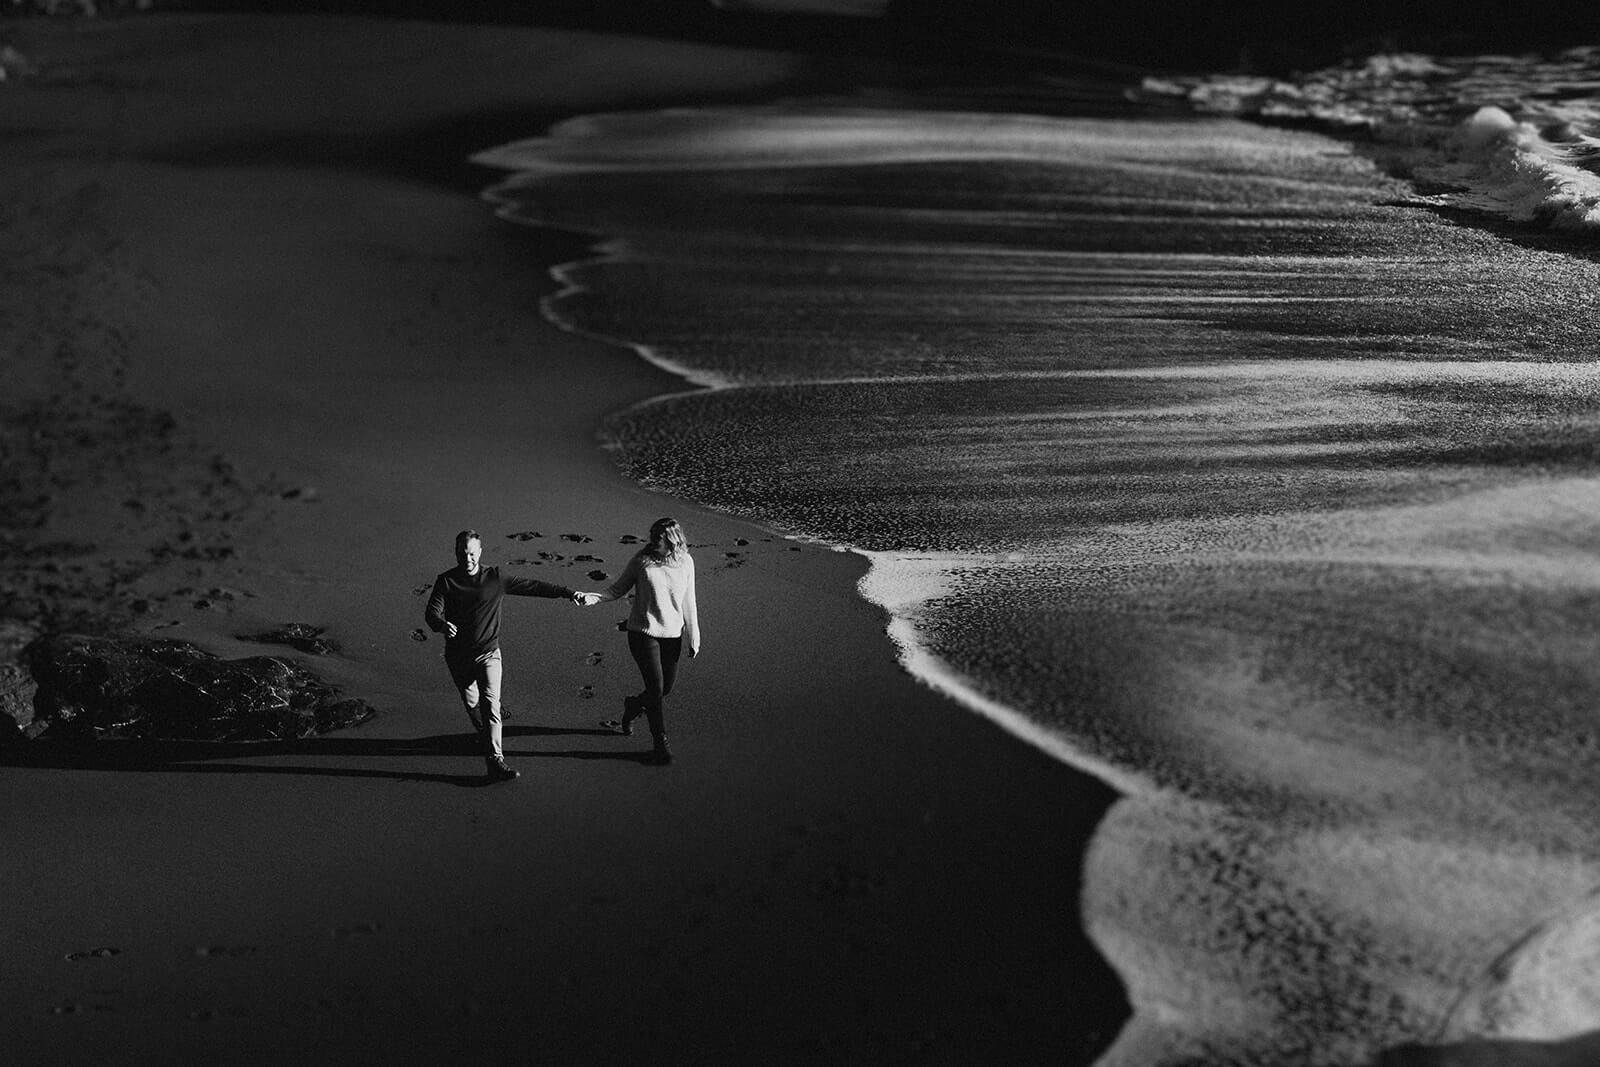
<point x="226" y="220"/>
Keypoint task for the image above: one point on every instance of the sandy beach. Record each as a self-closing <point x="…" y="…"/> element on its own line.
<point x="1247" y="466"/>
<point x="266" y="352"/>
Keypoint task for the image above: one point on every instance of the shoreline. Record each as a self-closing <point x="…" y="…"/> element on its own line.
<point x="927" y="667"/>
<point x="291" y="902"/>
<point x="917" y="660"/>
<point x="1371" y="964"/>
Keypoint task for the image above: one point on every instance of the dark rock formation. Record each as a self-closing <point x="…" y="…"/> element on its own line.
<point x="130" y="686"/>
<point x="300" y="635"/>
<point x="16" y="684"/>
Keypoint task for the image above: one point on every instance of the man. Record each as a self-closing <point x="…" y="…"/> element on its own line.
<point x="465" y="607"/>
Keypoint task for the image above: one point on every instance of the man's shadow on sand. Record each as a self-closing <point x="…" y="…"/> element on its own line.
<point x="201" y="757"/>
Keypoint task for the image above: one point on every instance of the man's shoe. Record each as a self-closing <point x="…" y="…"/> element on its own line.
<point x="661" y="753"/>
<point x="498" y="771"/>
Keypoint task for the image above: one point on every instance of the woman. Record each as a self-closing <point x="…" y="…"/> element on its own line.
<point x="663" y="618"/>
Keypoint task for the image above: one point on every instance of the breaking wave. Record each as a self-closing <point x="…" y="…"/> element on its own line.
<point x="1517" y="138"/>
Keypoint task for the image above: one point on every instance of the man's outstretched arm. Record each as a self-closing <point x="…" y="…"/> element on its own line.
<point x="534" y="587"/>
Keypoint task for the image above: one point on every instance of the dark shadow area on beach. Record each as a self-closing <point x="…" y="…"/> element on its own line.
<point x="1254" y="35"/>
<point x="200" y="757"/>
<point x="438" y="152"/>
<point x="435" y="153"/>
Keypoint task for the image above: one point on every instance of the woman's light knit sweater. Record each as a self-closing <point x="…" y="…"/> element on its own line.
<point x="663" y="598"/>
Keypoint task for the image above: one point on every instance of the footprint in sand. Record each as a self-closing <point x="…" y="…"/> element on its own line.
<point x="418" y="590"/>
<point x="586" y="692"/>
<point x="79" y="1009"/>
<point x="740" y="541"/>
<point x="526" y="535"/>
<point x="356" y="929"/>
<point x="94" y="954"/>
<point x="232" y="952"/>
<point x="210" y="1015"/>
<point x="418" y="635"/>
<point x="847" y="881"/>
<point x="629" y="539"/>
<point x="552" y="557"/>
<point x="587" y="559"/>
<point x="497" y="930"/>
<point x="593" y="659"/>
<point x="576" y="538"/>
<point x="598" y="576"/>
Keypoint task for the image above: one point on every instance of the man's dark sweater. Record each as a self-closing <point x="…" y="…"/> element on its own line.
<point x="472" y="602"/>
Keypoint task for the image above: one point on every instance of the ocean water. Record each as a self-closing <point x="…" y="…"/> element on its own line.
<point x="1246" y="455"/>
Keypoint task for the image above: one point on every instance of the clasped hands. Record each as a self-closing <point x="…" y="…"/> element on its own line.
<point x="586" y="600"/>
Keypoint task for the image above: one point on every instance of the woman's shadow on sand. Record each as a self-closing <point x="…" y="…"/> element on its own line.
<point x="202" y="757"/>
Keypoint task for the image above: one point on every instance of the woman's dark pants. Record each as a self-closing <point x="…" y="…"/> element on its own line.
<point x="657" y="658"/>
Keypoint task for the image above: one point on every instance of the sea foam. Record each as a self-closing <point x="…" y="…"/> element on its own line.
<point x="1515" y="138"/>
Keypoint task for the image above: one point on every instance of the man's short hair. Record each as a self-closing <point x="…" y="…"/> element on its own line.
<point x="467" y="535"/>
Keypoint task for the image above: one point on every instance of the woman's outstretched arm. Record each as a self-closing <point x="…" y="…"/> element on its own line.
<point x="625" y="581"/>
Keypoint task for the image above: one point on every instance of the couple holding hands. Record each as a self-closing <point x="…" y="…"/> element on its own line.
<point x="465" y="607"/>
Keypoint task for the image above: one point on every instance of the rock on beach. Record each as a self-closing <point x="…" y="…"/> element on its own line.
<point x="90" y="688"/>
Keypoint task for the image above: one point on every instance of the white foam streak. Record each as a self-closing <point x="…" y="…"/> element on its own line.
<point x="722" y="139"/>
<point x="900" y="584"/>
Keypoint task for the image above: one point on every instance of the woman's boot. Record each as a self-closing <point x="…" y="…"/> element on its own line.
<point x="658" y="730"/>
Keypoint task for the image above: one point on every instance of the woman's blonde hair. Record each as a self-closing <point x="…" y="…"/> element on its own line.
<point x="667" y="542"/>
